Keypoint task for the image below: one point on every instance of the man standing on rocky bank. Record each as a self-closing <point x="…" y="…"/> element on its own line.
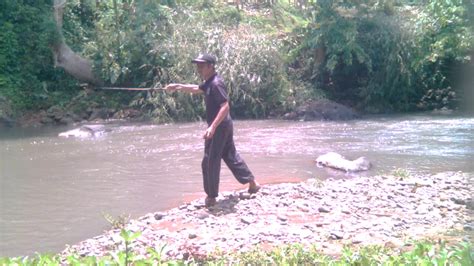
<point x="219" y="136"/>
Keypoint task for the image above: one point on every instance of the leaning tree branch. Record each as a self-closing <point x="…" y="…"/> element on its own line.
<point x="64" y="57"/>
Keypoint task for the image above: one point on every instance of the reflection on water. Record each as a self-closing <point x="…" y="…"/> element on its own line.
<point x="54" y="191"/>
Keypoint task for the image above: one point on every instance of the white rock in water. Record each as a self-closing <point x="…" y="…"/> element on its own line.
<point x="85" y="131"/>
<point x="337" y="161"/>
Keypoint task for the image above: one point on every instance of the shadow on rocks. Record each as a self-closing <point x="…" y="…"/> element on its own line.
<point x="224" y="206"/>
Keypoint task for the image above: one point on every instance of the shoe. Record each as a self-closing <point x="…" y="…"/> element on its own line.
<point x="209" y="202"/>
<point x="254" y="187"/>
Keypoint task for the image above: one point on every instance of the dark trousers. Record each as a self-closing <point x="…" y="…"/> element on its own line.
<point x="221" y="146"/>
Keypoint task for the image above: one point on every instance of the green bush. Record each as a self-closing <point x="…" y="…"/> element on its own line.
<point x="445" y="40"/>
<point x="124" y="34"/>
<point x="254" y="71"/>
<point x="249" y="62"/>
<point x="389" y="81"/>
<point x="385" y="58"/>
<point x="27" y="74"/>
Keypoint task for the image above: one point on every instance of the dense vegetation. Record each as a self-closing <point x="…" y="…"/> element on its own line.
<point x="418" y="253"/>
<point x="27" y="76"/>
<point x="386" y="55"/>
<point x="374" y="55"/>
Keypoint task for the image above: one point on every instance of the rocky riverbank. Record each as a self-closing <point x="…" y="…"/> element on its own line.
<point x="386" y="210"/>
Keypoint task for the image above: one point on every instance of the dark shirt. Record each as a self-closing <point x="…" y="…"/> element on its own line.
<point x="215" y="93"/>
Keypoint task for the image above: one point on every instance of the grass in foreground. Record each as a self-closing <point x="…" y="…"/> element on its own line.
<point x="420" y="253"/>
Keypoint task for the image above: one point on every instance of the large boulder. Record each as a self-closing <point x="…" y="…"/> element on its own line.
<point x="322" y="110"/>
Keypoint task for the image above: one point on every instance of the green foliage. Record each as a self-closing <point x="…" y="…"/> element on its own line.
<point x="249" y="62"/>
<point x="401" y="173"/>
<point x="124" y="258"/>
<point x="422" y="253"/>
<point x="218" y="13"/>
<point x="256" y="84"/>
<point x="426" y="253"/>
<point x="138" y="44"/>
<point x="123" y="39"/>
<point x="385" y="58"/>
<point x="164" y="107"/>
<point x="376" y="55"/>
<point x="124" y="35"/>
<point x="327" y="53"/>
<point x="27" y="75"/>
<point x="118" y="222"/>
<point x="388" y="81"/>
<point x="78" y="23"/>
<point x="445" y="37"/>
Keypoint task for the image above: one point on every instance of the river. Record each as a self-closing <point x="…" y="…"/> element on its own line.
<point x="55" y="191"/>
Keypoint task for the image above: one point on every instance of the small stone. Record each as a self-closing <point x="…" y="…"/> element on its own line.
<point x="244" y="196"/>
<point x="469" y="227"/>
<point x="202" y="215"/>
<point x="303" y="208"/>
<point x="324" y="210"/>
<point x="336" y="235"/>
<point x="346" y="211"/>
<point x="159" y="216"/>
<point x="308" y="226"/>
<point x="185" y="255"/>
<point x="470" y="204"/>
<point x="459" y="201"/>
<point x="424" y="209"/>
<point x="320" y="224"/>
<point x="443" y="197"/>
<point x="454" y="207"/>
<point x="361" y="238"/>
<point x="246" y="220"/>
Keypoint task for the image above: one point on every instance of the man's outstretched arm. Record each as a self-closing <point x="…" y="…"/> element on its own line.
<point x="191" y="88"/>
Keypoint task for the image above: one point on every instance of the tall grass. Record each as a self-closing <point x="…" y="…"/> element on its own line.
<point x="249" y="61"/>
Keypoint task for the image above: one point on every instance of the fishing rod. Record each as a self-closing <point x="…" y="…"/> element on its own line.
<point x="90" y="87"/>
<point x="129" y="89"/>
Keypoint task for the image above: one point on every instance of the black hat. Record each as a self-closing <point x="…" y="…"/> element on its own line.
<point x="204" y="58"/>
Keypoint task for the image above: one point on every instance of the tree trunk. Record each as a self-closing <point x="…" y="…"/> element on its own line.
<point x="64" y="57"/>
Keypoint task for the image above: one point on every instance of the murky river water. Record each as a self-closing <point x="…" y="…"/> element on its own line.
<point x="55" y="191"/>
